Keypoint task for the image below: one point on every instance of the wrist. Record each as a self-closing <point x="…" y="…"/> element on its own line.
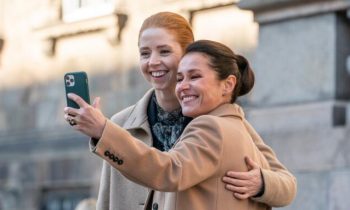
<point x="262" y="188"/>
<point x="102" y="128"/>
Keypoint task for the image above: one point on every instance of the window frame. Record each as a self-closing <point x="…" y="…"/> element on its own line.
<point x="77" y="10"/>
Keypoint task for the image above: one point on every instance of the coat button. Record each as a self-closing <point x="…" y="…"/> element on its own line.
<point x="107" y="153"/>
<point x="111" y="156"/>
<point x="155" y="206"/>
<point x="120" y="162"/>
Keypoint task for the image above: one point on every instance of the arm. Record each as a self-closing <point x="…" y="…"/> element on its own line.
<point x="179" y="169"/>
<point x="280" y="184"/>
<point x="275" y="187"/>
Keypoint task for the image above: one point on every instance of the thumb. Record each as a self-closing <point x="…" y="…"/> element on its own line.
<point x="251" y="164"/>
<point x="96" y="103"/>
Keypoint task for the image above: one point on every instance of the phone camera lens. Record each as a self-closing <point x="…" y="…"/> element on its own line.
<point x="69" y="79"/>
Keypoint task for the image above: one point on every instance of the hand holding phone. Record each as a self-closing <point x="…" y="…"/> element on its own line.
<point x="91" y="122"/>
<point x="77" y="82"/>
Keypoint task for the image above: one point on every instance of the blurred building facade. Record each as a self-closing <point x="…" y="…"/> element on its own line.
<point x="300" y="105"/>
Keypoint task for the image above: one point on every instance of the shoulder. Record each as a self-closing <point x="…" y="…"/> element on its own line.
<point x="216" y="126"/>
<point x="204" y="125"/>
<point x="206" y="119"/>
<point x="212" y="121"/>
<point x="120" y="117"/>
<point x="202" y="132"/>
<point x="140" y="109"/>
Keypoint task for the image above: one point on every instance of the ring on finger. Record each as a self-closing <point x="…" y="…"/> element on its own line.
<point x="72" y="121"/>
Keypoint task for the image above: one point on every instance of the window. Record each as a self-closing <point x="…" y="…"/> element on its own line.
<point x="75" y="10"/>
<point x="233" y="27"/>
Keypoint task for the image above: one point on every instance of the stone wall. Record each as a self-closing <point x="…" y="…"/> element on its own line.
<point x="304" y="113"/>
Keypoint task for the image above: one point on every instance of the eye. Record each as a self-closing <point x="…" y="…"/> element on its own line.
<point x="165" y="52"/>
<point x="145" y="54"/>
<point x="195" y="76"/>
<point x="179" y="79"/>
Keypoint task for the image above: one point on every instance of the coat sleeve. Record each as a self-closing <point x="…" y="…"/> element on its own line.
<point x="280" y="184"/>
<point x="194" y="158"/>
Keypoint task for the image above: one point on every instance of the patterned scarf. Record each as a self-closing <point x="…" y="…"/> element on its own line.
<point x="167" y="127"/>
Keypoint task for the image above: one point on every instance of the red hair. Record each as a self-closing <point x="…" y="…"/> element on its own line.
<point x="172" y="22"/>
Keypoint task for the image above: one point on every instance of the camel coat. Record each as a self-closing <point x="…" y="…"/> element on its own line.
<point x="118" y="193"/>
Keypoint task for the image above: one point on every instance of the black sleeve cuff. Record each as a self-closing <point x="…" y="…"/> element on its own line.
<point x="94" y="141"/>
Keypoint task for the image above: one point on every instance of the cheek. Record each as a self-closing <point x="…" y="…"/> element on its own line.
<point x="177" y="91"/>
<point x="144" y="72"/>
<point x="211" y="95"/>
<point x="143" y="66"/>
<point x="173" y="63"/>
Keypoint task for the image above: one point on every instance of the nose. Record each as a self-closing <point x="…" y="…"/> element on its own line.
<point x="183" y="85"/>
<point x="154" y="60"/>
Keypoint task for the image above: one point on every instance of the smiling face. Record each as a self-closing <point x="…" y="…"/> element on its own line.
<point x="198" y="88"/>
<point x="160" y="54"/>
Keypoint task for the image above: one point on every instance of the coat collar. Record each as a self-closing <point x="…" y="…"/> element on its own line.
<point x="138" y="116"/>
<point x="228" y="110"/>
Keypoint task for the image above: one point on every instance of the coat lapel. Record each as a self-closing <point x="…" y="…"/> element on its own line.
<point x="137" y="123"/>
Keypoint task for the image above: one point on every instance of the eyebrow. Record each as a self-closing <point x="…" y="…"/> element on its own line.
<point x="160" y="46"/>
<point x="191" y="71"/>
<point x="164" y="45"/>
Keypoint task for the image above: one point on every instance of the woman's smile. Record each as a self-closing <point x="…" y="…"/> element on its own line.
<point x="158" y="74"/>
<point x="188" y="98"/>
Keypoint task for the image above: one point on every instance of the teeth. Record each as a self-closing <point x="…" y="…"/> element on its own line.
<point x="188" y="98"/>
<point x="158" y="73"/>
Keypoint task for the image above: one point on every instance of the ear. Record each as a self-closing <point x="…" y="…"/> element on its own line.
<point x="229" y="84"/>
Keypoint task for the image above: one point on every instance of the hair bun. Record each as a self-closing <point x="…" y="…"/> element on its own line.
<point x="247" y="75"/>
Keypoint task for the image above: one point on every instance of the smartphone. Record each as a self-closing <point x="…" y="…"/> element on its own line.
<point x="76" y="82"/>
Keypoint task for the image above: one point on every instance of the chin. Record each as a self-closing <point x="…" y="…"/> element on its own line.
<point x="186" y="113"/>
<point x="189" y="113"/>
<point x="160" y="86"/>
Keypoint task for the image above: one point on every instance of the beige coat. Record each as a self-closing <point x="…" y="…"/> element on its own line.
<point x="118" y="193"/>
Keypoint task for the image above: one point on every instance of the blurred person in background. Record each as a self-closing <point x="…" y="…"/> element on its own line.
<point x="157" y="120"/>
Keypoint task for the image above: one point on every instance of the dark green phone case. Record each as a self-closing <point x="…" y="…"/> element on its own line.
<point x="76" y="82"/>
